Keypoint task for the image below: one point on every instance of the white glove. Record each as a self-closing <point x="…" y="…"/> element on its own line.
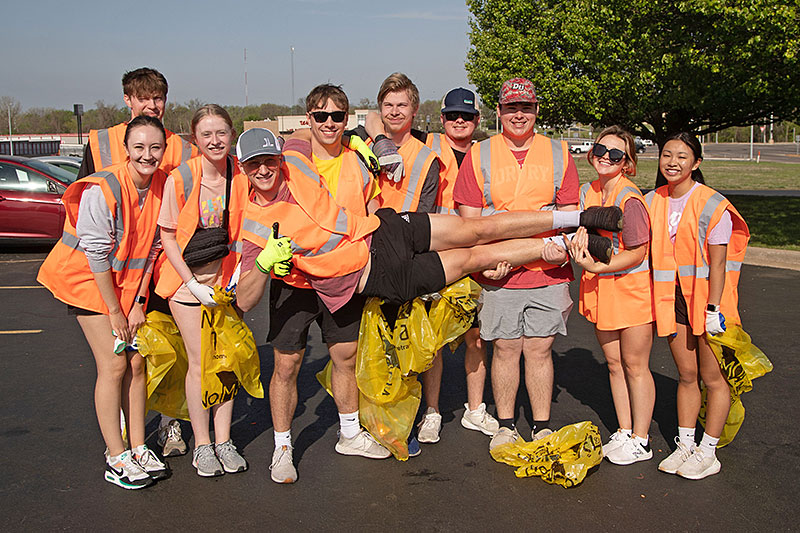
<point x="203" y="293"/>
<point x="715" y="322"/>
<point x="390" y="161"/>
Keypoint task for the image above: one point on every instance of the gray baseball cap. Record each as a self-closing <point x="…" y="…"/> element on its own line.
<point x="257" y="141"/>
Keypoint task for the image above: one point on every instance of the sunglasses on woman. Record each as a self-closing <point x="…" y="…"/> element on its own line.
<point x="322" y="116"/>
<point x="614" y="155"/>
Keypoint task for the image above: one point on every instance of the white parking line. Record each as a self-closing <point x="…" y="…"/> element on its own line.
<point x="20" y="331"/>
<point x="22" y="287"/>
<point x="22" y="261"/>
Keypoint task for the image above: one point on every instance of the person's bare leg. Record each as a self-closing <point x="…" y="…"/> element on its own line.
<point x="343" y="376"/>
<point x="187" y="318"/>
<point x="223" y="414"/>
<point x="111" y="369"/>
<point x="462" y="261"/>
<point x="432" y="382"/>
<point x="718" y="395"/>
<point x="448" y="232"/>
<point x="475" y="367"/>
<point x="505" y="375"/>
<point x="539" y="374"/>
<point x="283" y="388"/>
<point x="636" y="343"/>
<point x="134" y="397"/>
<point x="610" y="344"/>
<point x="684" y="351"/>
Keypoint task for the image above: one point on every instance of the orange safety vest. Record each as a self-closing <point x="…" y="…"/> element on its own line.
<point x="327" y="239"/>
<point x="65" y="272"/>
<point x="447" y="173"/>
<point x="507" y="187"/>
<point x="405" y="194"/>
<point x="621" y="299"/>
<point x="108" y="148"/>
<point x="688" y="257"/>
<point x="187" y="178"/>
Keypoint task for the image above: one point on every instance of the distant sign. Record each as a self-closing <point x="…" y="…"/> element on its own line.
<point x="797" y="138"/>
<point x="763" y="128"/>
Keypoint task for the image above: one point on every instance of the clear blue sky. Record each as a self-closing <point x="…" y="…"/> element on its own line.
<point x="57" y="53"/>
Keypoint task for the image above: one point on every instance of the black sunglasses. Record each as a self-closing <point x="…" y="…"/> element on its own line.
<point x="322" y="116"/>
<point x="614" y="155"/>
<point x="452" y="116"/>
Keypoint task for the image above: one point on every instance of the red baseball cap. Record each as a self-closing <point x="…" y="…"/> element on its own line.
<point x="517" y="90"/>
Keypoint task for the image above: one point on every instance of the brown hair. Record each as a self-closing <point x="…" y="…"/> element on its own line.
<point x="630" y="147"/>
<point x="320" y="95"/>
<point x="399" y="82"/>
<point x="211" y="110"/>
<point x="141" y="121"/>
<point x="144" y="82"/>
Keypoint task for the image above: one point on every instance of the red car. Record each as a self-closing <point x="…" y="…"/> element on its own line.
<point x="30" y="199"/>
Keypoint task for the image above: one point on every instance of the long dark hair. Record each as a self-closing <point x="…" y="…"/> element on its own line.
<point x="697" y="149"/>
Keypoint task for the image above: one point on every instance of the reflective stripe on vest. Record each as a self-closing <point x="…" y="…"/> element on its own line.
<point x="104" y="147"/>
<point x="186" y="150"/>
<point x="413" y="180"/>
<point x="702" y="230"/>
<point x="558" y="166"/>
<point x="436" y="144"/>
<point x="486" y="171"/>
<point x="188" y="180"/>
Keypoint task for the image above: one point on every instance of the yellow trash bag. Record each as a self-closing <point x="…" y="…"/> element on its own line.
<point x="388" y="360"/>
<point x="166" y="364"/>
<point x="562" y="458"/>
<point x="229" y="354"/>
<point x="741" y="362"/>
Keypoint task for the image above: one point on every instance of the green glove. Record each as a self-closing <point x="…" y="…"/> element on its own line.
<point x="278" y="249"/>
<point x="366" y="154"/>
<point x="282" y="268"/>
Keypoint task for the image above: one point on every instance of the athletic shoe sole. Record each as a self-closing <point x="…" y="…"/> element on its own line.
<point x="360" y="453"/>
<point x="174" y="451"/>
<point x="710" y="471"/>
<point x="428" y="441"/>
<point x="160" y="474"/>
<point x="626" y="462"/>
<point x="111" y="478"/>
<point x="469" y="425"/>
<point x="215" y="473"/>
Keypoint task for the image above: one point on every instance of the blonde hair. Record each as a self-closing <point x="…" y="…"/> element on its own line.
<point x="399" y="82"/>
<point x="630" y="147"/>
<point x="209" y="110"/>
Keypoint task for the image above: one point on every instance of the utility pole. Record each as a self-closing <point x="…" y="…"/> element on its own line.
<point x="10" y="139"/>
<point x="751" y="142"/>
<point x="246" y="100"/>
<point x="292" y="50"/>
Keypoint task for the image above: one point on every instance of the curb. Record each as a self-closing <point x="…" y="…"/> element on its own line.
<point x="770" y="257"/>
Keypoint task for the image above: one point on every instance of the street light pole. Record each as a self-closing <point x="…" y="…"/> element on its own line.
<point x="10" y="139"/>
<point x="292" y="50"/>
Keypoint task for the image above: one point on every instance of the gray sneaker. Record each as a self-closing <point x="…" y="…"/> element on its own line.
<point x="170" y="439"/>
<point x="282" y="469"/>
<point x="430" y="426"/>
<point x="479" y="420"/>
<point x="231" y="461"/>
<point x="503" y="436"/>
<point x="362" y="444"/>
<point x="541" y="434"/>
<point x="206" y="462"/>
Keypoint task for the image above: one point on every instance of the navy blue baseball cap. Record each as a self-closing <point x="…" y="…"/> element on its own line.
<point x="460" y="99"/>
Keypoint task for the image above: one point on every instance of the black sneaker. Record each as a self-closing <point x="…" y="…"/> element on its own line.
<point x="607" y="218"/>
<point x="600" y="248"/>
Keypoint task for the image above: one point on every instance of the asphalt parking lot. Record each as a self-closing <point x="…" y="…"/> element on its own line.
<point x="53" y="453"/>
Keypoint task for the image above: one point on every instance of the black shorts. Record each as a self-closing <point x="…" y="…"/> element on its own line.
<point x="80" y="311"/>
<point x="292" y="310"/>
<point x="681" y="311"/>
<point x="403" y="267"/>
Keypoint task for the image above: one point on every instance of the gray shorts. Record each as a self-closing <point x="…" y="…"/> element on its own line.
<point x="514" y="313"/>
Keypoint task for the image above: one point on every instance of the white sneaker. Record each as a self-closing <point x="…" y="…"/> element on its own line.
<point x="630" y="452"/>
<point x="541" y="434"/>
<point x="150" y="462"/>
<point x="125" y="472"/>
<point x="362" y="444"/>
<point x="282" y="469"/>
<point x="430" y="426"/>
<point x="503" y="436"/>
<point x="675" y="460"/>
<point x="698" y="466"/>
<point x="170" y="439"/>
<point x="480" y="420"/>
<point x="616" y="440"/>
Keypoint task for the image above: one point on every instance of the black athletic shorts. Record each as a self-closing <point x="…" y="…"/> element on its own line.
<point x="80" y="311"/>
<point x="681" y="311"/>
<point x="403" y="267"/>
<point x="292" y="310"/>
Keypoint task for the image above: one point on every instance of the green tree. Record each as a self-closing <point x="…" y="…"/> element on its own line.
<point x="653" y="66"/>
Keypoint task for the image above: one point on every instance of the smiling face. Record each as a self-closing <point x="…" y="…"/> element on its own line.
<point x="213" y="136"/>
<point x="145" y="147"/>
<point x="152" y="106"/>
<point x="518" y="119"/>
<point x="676" y="163"/>
<point x="603" y="165"/>
<point x="329" y="132"/>
<point x="264" y="173"/>
<point x="397" y="112"/>
<point x="460" y="129"/>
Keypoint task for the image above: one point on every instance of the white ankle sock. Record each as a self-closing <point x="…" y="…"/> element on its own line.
<point x="349" y="425"/>
<point x="626" y="432"/>
<point x="283" y="438"/>
<point x="686" y="436"/>
<point x="641" y="440"/>
<point x="138" y="451"/>
<point x="558" y="240"/>
<point x="708" y="445"/>
<point x="566" y="219"/>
